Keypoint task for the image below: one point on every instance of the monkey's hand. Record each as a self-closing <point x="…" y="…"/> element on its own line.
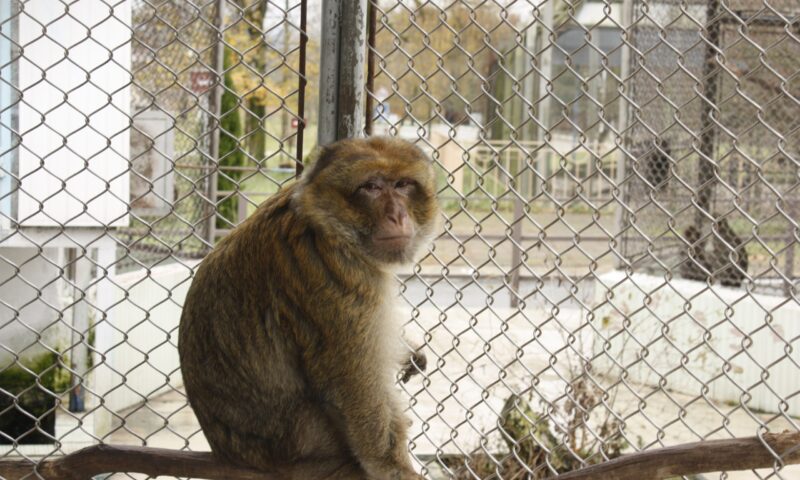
<point x="417" y="362"/>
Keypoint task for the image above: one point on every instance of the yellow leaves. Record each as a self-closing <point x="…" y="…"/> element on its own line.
<point x="264" y="68"/>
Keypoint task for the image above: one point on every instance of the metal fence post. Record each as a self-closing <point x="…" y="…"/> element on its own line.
<point x="343" y="55"/>
<point x="81" y="272"/>
<point x="218" y="57"/>
<point x="620" y="218"/>
<point x="706" y="176"/>
<point x="538" y="80"/>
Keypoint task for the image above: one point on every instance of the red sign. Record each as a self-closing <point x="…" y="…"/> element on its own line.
<point x="202" y="81"/>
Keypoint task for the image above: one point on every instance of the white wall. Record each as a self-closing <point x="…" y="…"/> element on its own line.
<point x="139" y="340"/>
<point x="73" y="112"/>
<point x="29" y="303"/>
<point x="730" y="349"/>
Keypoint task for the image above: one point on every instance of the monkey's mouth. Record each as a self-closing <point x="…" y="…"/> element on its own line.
<point x="393" y="237"/>
<point x="394" y="242"/>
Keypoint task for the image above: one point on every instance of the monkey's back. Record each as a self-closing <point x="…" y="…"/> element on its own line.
<point x="249" y="326"/>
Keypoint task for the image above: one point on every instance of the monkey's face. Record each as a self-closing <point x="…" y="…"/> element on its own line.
<point x="386" y="203"/>
<point x="375" y="194"/>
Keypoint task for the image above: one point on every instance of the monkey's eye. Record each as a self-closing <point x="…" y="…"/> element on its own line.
<point x="404" y="184"/>
<point x="370" y="187"/>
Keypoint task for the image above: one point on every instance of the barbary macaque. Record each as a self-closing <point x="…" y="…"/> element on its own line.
<point x="290" y="336"/>
<point x="696" y="266"/>
<point x="728" y="274"/>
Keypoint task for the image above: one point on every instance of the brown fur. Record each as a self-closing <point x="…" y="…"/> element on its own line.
<point x="697" y="264"/>
<point x="284" y="337"/>
<point x="724" y="245"/>
<point x="719" y="263"/>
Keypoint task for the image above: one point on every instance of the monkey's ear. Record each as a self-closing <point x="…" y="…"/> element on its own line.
<point x="312" y="161"/>
<point x="312" y="155"/>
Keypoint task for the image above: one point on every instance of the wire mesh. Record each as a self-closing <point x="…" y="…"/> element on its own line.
<point x="616" y="267"/>
<point x="616" y="270"/>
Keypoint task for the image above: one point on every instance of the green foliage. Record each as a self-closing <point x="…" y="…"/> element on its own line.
<point x="500" y="85"/>
<point x="230" y="150"/>
<point x="257" y="142"/>
<point x="51" y="374"/>
<point x="526" y="431"/>
<point x="36" y="387"/>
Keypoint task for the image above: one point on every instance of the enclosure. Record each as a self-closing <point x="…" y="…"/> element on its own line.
<point x="615" y="269"/>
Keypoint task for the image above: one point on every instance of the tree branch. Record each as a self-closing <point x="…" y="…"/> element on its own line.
<point x="97" y="459"/>
<point x="699" y="457"/>
<point x="687" y="459"/>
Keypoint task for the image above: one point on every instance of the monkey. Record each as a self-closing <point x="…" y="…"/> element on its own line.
<point x="691" y="268"/>
<point x="724" y="242"/>
<point x="289" y="337"/>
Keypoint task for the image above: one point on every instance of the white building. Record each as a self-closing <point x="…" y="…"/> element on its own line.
<point x="64" y="162"/>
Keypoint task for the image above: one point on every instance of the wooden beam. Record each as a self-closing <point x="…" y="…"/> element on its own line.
<point x="687" y="459"/>
<point x="98" y="459"/>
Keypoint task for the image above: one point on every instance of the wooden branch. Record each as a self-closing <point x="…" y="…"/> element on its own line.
<point x="687" y="459"/>
<point x="693" y="458"/>
<point x="97" y="459"/>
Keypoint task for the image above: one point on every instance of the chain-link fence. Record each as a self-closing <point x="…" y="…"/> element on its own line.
<point x="619" y="183"/>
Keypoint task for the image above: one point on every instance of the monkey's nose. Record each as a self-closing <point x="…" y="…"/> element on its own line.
<point x="397" y="217"/>
<point x="396" y="213"/>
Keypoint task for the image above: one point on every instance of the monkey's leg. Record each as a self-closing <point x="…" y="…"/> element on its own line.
<point x="251" y="450"/>
<point x="322" y="449"/>
<point x="296" y="443"/>
<point x="322" y="469"/>
<point x="370" y="419"/>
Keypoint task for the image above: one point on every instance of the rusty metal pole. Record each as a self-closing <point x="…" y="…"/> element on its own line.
<point x="371" y="27"/>
<point x="352" y="59"/>
<point x="328" y="72"/>
<point x="301" y="88"/>
<point x="344" y="52"/>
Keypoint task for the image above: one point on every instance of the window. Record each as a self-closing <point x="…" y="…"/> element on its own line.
<point x="8" y="103"/>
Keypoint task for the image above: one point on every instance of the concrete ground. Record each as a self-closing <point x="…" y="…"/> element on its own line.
<point x="472" y="370"/>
